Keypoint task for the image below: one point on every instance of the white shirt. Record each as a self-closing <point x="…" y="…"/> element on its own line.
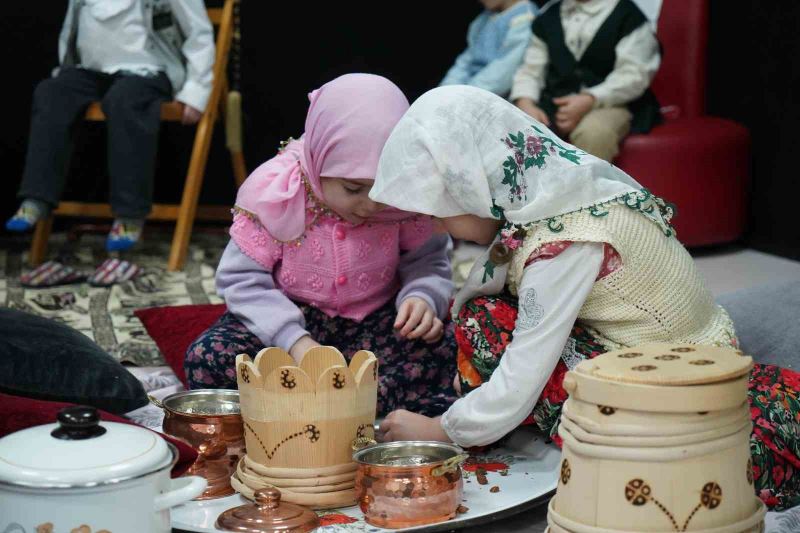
<point x="636" y="64"/>
<point x="551" y="294"/>
<point x="112" y="37"/>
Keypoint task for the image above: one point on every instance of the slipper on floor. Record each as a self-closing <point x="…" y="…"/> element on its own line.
<point x="113" y="271"/>
<point x="51" y="274"/>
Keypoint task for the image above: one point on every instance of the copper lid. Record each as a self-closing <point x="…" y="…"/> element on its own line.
<point x="268" y="515"/>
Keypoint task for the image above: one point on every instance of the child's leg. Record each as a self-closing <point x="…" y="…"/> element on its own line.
<point x="601" y="131"/>
<point x="58" y="104"/>
<point x="413" y="375"/>
<point x="775" y="441"/>
<point x="133" y="113"/>
<point x="210" y="361"/>
<point x="485" y="327"/>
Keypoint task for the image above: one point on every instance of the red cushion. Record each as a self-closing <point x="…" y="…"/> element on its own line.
<point x="702" y="166"/>
<point x="18" y="413"/>
<point x="175" y="328"/>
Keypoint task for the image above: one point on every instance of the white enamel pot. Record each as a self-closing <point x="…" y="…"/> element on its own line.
<point x="83" y="473"/>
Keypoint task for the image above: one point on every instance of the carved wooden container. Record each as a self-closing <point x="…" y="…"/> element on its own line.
<point x="656" y="438"/>
<point x="300" y="423"/>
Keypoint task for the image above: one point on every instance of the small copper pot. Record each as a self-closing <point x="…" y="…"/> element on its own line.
<point x="210" y="422"/>
<point x="409" y="483"/>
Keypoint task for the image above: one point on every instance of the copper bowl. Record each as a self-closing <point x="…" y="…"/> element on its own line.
<point x="409" y="483"/>
<point x="209" y="420"/>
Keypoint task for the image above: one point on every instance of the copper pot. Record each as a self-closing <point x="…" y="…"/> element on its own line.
<point x="210" y="422"/>
<point x="409" y="483"/>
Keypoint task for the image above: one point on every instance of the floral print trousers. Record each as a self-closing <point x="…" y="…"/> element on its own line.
<point x="413" y="374"/>
<point x="484" y="328"/>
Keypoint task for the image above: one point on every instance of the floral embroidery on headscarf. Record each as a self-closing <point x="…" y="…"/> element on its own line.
<point x="530" y="150"/>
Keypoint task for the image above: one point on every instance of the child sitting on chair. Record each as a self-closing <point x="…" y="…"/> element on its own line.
<point x="312" y="260"/>
<point x="496" y="42"/>
<point x="131" y="55"/>
<point x="587" y="71"/>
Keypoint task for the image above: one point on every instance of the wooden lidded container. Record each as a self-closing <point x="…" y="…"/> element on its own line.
<point x="656" y="438"/>
<point x="300" y="423"/>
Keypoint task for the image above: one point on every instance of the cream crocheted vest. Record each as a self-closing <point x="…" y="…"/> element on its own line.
<point x="657" y="295"/>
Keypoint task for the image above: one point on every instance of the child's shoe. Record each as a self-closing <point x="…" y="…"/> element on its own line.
<point x="124" y="235"/>
<point x="26" y="216"/>
<point x="114" y="271"/>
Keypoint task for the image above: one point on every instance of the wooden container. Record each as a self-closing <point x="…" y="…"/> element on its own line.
<point x="300" y="422"/>
<point x="656" y="438"/>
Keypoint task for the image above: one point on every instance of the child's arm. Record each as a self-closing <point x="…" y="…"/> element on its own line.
<point x="638" y="59"/>
<point x="529" y="78"/>
<point x="551" y="294"/>
<point x="498" y="75"/>
<point x="250" y="294"/>
<point x="198" y="50"/>
<point x="459" y="72"/>
<point x="63" y="37"/>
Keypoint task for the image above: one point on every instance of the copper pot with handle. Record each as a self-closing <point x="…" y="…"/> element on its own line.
<point x="409" y="483"/>
<point x="209" y="420"/>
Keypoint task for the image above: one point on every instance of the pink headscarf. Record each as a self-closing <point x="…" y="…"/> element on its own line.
<point x="348" y="122"/>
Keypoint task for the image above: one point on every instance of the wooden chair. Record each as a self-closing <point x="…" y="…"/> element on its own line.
<point x="185" y="212"/>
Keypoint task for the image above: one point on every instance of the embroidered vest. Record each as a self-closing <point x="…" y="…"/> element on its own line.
<point x="657" y="295"/>
<point x="567" y="75"/>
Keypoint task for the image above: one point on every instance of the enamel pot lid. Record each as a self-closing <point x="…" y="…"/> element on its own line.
<point x="81" y="451"/>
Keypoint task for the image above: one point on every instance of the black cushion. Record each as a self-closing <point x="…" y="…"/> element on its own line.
<point x="44" y="359"/>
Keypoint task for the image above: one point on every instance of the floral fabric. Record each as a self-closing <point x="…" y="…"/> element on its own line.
<point x="413" y="375"/>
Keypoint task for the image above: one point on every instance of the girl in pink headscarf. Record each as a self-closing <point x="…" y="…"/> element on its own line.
<point x="312" y="260"/>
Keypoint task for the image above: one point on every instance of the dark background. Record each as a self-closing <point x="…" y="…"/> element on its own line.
<point x="290" y="48"/>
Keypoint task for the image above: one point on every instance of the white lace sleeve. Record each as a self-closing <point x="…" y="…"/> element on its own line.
<point x="551" y="293"/>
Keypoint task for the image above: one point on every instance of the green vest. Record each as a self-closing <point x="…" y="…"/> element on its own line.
<point x="567" y="75"/>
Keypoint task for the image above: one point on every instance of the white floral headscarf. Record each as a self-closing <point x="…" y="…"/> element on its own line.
<point x="463" y="150"/>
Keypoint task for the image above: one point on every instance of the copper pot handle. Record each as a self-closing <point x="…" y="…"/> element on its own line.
<point x="155" y="401"/>
<point x="362" y="442"/>
<point x="211" y="450"/>
<point x="451" y="465"/>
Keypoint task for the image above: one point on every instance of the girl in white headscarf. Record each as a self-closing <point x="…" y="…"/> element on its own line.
<point x="572" y="238"/>
<point x="582" y="260"/>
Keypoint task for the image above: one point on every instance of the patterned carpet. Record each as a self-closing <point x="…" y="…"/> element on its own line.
<point x="106" y="314"/>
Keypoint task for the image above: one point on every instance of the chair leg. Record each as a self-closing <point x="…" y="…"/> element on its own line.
<point x="39" y="243"/>
<point x="191" y="192"/>
<point x="239" y="168"/>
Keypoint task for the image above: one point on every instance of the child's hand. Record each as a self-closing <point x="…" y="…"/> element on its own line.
<point x="415" y="319"/>
<point x="299" y="348"/>
<point x="571" y="109"/>
<point x="527" y="105"/>
<point x="190" y="115"/>
<point x="404" y="425"/>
